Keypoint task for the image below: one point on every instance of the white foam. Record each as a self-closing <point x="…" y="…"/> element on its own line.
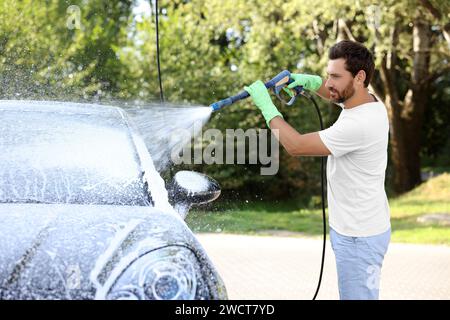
<point x="192" y="181"/>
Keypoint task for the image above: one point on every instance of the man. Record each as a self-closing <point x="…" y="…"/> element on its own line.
<point x="356" y="146"/>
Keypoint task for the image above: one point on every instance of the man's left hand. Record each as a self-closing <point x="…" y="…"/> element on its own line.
<point x="262" y="100"/>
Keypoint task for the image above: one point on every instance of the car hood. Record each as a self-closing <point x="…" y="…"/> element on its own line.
<point x="61" y="251"/>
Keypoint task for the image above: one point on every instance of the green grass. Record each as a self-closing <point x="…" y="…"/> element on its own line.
<point x="432" y="196"/>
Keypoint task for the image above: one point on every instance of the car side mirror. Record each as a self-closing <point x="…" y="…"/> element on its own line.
<point x="189" y="188"/>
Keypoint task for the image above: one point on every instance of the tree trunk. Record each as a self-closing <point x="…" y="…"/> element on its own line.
<point x="405" y="149"/>
<point x="407" y="116"/>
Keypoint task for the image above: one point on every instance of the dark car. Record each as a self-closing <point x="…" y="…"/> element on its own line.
<point x="85" y="215"/>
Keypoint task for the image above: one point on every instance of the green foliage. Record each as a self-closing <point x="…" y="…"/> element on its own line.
<point x="45" y="55"/>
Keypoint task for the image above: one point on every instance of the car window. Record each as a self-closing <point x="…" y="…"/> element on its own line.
<point x="50" y="157"/>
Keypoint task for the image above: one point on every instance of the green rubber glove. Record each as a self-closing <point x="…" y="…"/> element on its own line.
<point x="262" y="100"/>
<point x="307" y="81"/>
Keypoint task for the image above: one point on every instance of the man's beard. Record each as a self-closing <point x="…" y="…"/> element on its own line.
<point x="345" y="94"/>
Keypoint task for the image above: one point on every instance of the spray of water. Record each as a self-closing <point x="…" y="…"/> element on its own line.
<point x="167" y="128"/>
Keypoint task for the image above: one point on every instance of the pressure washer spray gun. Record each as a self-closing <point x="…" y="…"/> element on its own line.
<point x="278" y="84"/>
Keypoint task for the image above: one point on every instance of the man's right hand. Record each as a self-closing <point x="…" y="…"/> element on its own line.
<point x="307" y="81"/>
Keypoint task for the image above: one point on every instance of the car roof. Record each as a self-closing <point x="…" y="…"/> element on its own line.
<point x="62" y="107"/>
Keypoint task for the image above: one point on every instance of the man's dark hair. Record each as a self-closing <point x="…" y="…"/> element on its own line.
<point x="357" y="57"/>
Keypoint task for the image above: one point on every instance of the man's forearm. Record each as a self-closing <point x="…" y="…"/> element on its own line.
<point x="288" y="136"/>
<point x="297" y="144"/>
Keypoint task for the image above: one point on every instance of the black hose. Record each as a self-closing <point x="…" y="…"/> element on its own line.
<point x="322" y="185"/>
<point x="161" y="94"/>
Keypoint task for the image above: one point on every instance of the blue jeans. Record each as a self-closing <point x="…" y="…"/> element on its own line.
<point x="358" y="262"/>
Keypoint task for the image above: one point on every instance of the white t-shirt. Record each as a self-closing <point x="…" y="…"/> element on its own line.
<point x="358" y="142"/>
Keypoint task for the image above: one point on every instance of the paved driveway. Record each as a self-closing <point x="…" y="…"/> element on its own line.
<point x="266" y="267"/>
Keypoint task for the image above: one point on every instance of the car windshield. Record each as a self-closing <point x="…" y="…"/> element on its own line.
<point x="68" y="157"/>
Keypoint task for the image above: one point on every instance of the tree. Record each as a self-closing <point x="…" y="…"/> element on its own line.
<point x="411" y="43"/>
<point x="61" y="49"/>
<point x="412" y="62"/>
